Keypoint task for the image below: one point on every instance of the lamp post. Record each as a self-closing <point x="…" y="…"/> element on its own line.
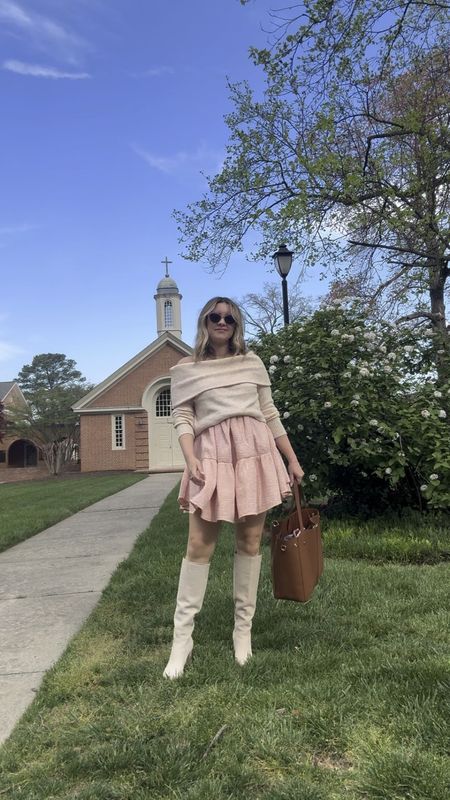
<point x="283" y="263"/>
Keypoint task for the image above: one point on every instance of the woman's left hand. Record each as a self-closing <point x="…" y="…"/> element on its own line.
<point x="295" y="472"/>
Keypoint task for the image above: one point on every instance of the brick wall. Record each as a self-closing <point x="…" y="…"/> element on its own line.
<point x="14" y="397"/>
<point x="95" y="429"/>
<point x="128" y="391"/>
<point x="96" y="444"/>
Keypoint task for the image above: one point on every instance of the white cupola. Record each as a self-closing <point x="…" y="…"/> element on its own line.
<point x="168" y="304"/>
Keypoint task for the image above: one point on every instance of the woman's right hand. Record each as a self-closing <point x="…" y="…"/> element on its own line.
<point x="196" y="473"/>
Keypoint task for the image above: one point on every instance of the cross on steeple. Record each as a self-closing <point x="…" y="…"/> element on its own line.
<point x="166" y="262"/>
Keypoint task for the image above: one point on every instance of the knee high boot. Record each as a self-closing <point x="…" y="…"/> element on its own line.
<point x="191" y="591"/>
<point x="245" y="587"/>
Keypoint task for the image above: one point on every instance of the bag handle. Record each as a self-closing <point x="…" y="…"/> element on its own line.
<point x="297" y="497"/>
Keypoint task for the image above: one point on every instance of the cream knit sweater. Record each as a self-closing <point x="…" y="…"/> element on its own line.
<point x="207" y="392"/>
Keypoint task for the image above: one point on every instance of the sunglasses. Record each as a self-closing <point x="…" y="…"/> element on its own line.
<point x="215" y="318"/>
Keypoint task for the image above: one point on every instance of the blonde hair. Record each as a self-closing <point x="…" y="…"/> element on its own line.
<point x="202" y="346"/>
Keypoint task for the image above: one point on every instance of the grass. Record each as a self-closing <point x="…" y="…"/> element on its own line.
<point x="346" y="697"/>
<point x="411" y="538"/>
<point x="30" y="507"/>
<point x="407" y="538"/>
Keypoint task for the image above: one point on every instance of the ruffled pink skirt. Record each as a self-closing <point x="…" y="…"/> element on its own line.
<point x="244" y="471"/>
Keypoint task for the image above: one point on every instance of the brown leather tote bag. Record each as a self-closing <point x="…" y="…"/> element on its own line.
<point x="297" y="553"/>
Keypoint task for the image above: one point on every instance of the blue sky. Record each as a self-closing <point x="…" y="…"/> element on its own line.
<point x="110" y="111"/>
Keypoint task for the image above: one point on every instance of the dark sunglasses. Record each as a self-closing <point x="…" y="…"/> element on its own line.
<point x="215" y="318"/>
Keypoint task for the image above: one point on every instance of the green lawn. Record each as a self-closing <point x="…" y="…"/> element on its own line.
<point x="30" y="507"/>
<point x="410" y="538"/>
<point x="346" y="697"/>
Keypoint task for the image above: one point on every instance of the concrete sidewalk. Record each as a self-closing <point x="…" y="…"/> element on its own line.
<point x="50" y="583"/>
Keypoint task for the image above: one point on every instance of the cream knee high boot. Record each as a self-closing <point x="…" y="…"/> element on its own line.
<point x="191" y="591"/>
<point x="245" y="587"/>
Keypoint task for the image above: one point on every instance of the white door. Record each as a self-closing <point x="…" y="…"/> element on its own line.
<point x="164" y="448"/>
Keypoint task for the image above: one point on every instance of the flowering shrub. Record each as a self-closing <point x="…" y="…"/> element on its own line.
<point x="362" y="408"/>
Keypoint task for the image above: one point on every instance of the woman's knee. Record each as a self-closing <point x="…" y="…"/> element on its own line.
<point x="199" y="552"/>
<point x="202" y="540"/>
<point x="249" y="534"/>
<point x="247" y="547"/>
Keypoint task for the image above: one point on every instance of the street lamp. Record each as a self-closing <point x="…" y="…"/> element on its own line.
<point x="283" y="263"/>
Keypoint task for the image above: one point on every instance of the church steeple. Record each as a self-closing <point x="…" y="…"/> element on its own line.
<point x="168" y="304"/>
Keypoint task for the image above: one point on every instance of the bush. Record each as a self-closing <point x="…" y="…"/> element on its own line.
<point x="363" y="408"/>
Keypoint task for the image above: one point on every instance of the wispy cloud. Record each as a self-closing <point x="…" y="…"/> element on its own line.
<point x="154" y="72"/>
<point x="43" y="32"/>
<point x="203" y="158"/>
<point x="12" y="230"/>
<point x="37" y="71"/>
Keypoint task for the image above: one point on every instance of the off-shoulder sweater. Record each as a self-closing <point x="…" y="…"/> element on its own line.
<point x="207" y="392"/>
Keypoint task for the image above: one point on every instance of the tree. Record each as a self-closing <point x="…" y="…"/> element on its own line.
<point x="329" y="42"/>
<point x="51" y="385"/>
<point x="346" y="160"/>
<point x="263" y="313"/>
<point x="48" y="371"/>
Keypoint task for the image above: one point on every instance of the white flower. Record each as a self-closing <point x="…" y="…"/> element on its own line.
<point x="440" y="352"/>
<point x="383" y="348"/>
<point x="387" y="369"/>
<point x="434" y="477"/>
<point x="364" y="371"/>
<point x="354" y="402"/>
<point x="388" y="470"/>
<point x="358" y="328"/>
<point x="272" y="369"/>
<point x="373" y="422"/>
<point x="300" y="427"/>
<point x="437" y="393"/>
<point x="299" y="369"/>
<point x="286" y="359"/>
<point x="370" y="336"/>
<point x="273" y="359"/>
<point x="392" y="356"/>
<point x="286" y="414"/>
<point x="346" y="374"/>
<point x="290" y="374"/>
<point x="442" y="414"/>
<point x="335" y="332"/>
<point x="317" y="375"/>
<point x="409" y="348"/>
<point x="313" y="477"/>
<point x="425" y="412"/>
<point x="327" y="404"/>
<point x="357" y="396"/>
<point x="424" y="487"/>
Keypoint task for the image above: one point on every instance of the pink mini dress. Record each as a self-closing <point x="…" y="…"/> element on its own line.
<point x="244" y="471"/>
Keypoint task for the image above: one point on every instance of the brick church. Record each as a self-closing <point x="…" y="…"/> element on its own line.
<point x="125" y="421"/>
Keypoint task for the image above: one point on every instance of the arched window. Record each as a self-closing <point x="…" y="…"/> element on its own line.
<point x="163" y="401"/>
<point x="168" y="314"/>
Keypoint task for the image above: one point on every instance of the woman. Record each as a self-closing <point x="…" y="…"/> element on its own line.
<point x="229" y="431"/>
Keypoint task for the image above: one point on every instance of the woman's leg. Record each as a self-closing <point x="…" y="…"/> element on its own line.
<point x="202" y="539"/>
<point x="247" y="566"/>
<point x="249" y="533"/>
<point x="191" y="590"/>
